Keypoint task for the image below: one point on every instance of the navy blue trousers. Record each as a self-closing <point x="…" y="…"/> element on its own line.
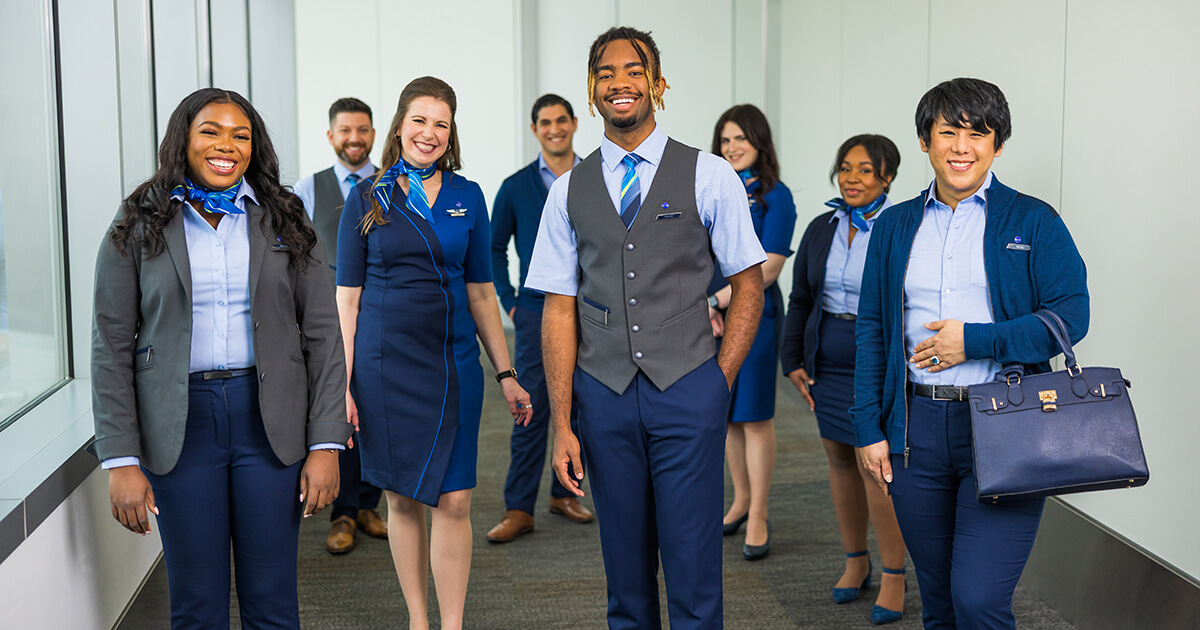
<point x="528" y="445"/>
<point x="354" y="494"/>
<point x="968" y="555"/>
<point x="656" y="460"/>
<point x="229" y="489"/>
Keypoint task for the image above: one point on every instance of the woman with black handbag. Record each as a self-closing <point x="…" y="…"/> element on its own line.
<point x="949" y="289"/>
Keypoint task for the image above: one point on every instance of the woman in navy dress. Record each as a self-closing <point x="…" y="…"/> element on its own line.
<point x="414" y="290"/>
<point x="743" y="137"/>
<point x="818" y="357"/>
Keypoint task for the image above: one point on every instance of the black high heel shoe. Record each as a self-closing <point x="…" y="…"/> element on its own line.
<point x="729" y="529"/>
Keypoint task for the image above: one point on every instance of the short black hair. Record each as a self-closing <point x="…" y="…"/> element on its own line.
<point x="964" y="103"/>
<point x="652" y="64"/>
<point x="349" y="104"/>
<point x="549" y="100"/>
<point x="885" y="157"/>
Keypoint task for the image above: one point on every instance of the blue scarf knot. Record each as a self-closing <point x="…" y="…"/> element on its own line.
<point x="214" y="201"/>
<point x="858" y="216"/>
<point x="417" y="201"/>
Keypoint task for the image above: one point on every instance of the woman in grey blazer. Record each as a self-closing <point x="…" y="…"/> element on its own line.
<point x="218" y="372"/>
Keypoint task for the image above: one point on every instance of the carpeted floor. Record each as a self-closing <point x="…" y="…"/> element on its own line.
<point x="554" y="578"/>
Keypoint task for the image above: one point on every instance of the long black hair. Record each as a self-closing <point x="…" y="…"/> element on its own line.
<point x="148" y="209"/>
<point x="758" y="132"/>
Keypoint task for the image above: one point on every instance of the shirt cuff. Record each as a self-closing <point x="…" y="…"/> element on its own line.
<point x="325" y="446"/>
<point x="118" y="462"/>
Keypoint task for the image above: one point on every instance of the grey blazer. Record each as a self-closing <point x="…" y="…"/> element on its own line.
<point x="141" y="348"/>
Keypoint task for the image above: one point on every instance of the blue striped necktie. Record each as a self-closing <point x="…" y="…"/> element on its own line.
<point x="353" y="178"/>
<point x="631" y="189"/>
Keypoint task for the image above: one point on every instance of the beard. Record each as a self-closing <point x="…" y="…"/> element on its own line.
<point x="344" y="157"/>
<point x="624" y="122"/>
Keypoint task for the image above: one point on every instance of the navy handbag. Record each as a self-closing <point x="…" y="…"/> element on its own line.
<point x="1055" y="433"/>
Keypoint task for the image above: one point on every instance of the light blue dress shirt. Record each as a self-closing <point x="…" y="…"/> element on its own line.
<point x="946" y="280"/>
<point x="222" y="328"/>
<point x="306" y="188"/>
<point x="548" y="175"/>
<point x="844" y="265"/>
<point x="720" y="200"/>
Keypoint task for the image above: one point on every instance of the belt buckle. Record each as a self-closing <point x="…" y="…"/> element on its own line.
<point x="216" y="375"/>
<point x="934" y="396"/>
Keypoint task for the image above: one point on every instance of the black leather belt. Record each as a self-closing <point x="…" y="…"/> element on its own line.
<point x="940" y="392"/>
<point x="217" y="375"/>
<point x="850" y="317"/>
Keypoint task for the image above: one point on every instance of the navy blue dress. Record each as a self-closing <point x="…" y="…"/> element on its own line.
<point x="416" y="379"/>
<point x="753" y="390"/>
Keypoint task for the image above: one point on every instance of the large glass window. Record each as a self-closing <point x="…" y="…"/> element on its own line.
<point x="32" y="313"/>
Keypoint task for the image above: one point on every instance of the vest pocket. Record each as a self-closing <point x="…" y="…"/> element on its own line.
<point x="593" y="311"/>
<point x="674" y="319"/>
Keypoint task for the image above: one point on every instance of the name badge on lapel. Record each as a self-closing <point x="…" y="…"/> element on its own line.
<point x="666" y="216"/>
<point x="280" y="246"/>
<point x="457" y="210"/>
<point x="1017" y="245"/>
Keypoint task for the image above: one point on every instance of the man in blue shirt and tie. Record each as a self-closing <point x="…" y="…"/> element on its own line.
<point x="515" y="215"/>
<point x="951" y="282"/>
<point x="351" y="134"/>
<point x="624" y="254"/>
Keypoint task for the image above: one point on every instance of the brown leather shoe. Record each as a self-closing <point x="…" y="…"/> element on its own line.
<point x="571" y="508"/>
<point x="371" y="524"/>
<point x="341" y="536"/>
<point x="515" y="523"/>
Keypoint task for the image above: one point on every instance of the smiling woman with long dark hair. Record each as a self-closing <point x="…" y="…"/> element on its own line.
<point x="213" y="309"/>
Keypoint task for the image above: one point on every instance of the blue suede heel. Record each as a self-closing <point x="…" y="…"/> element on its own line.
<point x="847" y="595"/>
<point x="881" y="615"/>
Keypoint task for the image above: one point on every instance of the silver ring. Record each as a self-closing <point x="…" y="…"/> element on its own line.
<point x="935" y="360"/>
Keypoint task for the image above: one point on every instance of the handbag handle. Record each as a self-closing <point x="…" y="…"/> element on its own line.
<point x="1058" y="330"/>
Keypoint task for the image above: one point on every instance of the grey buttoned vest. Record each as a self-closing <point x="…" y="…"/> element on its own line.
<point x="641" y="298"/>
<point x="327" y="213"/>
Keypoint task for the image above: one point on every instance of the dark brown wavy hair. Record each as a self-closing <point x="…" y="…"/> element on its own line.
<point x="451" y="160"/>
<point x="148" y="209"/>
<point x="758" y="131"/>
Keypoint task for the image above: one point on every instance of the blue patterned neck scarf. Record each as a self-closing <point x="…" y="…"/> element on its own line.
<point x="858" y="216"/>
<point x="417" y="201"/>
<point x="747" y="174"/>
<point x="214" y="202"/>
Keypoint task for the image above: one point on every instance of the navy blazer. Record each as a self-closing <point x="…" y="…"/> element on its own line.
<point x="516" y="214"/>
<point x="799" y="344"/>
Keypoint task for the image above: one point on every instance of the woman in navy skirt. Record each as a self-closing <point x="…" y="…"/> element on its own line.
<point x="414" y="291"/>
<point x="818" y="357"/>
<point x="743" y="137"/>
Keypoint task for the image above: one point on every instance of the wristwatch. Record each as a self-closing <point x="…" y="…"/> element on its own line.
<point x="712" y="301"/>
<point x="509" y="373"/>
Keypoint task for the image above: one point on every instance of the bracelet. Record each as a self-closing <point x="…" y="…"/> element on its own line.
<point x="713" y="301"/>
<point x="509" y="373"/>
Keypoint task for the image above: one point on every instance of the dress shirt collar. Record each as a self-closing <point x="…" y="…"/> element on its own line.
<point x="364" y="171"/>
<point x="842" y="213"/>
<point x="543" y="167"/>
<point x="651" y="150"/>
<point x="981" y="194"/>
<point x="244" y="191"/>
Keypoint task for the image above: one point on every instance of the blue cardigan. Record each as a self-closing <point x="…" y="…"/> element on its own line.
<point x="1031" y="263"/>
<point x="517" y="213"/>
<point x="799" y="343"/>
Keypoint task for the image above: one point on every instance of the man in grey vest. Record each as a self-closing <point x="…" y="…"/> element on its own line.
<point x="351" y="135"/>
<point x="624" y="253"/>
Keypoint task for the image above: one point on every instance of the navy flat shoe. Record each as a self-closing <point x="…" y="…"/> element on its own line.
<point x="758" y="552"/>
<point x="729" y="529"/>
<point x="847" y="595"/>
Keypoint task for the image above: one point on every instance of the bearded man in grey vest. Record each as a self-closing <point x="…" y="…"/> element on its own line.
<point x="624" y="254"/>
<point x="351" y="134"/>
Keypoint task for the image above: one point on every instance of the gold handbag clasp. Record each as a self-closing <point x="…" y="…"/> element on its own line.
<point x="1048" y="397"/>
